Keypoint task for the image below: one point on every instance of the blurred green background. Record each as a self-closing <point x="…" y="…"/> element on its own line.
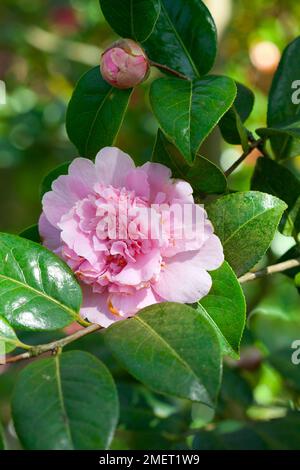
<point x="45" y="46"/>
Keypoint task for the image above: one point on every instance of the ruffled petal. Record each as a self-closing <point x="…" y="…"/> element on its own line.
<point x="68" y="189"/>
<point x="112" y="166"/>
<point x="95" y="308"/>
<point x="137" y="181"/>
<point x="158" y="178"/>
<point x="129" y="305"/>
<point x="211" y="255"/>
<point x="142" y="270"/>
<point x="182" y="280"/>
<point x="50" y="235"/>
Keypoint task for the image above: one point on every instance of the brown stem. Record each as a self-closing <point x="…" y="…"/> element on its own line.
<point x="275" y="268"/>
<point x="169" y="70"/>
<point x="252" y="146"/>
<point x="54" y="345"/>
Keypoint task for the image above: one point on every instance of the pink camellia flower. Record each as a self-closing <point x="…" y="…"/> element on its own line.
<point x="132" y="236"/>
<point x="124" y="64"/>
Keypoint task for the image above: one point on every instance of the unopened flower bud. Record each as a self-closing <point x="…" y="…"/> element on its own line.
<point x="124" y="64"/>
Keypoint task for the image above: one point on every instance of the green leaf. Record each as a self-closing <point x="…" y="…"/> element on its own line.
<point x="8" y="337"/>
<point x="235" y="392"/>
<point x="285" y="131"/>
<point x="184" y="37"/>
<point x="37" y="290"/>
<point x="203" y="175"/>
<point x="225" y="306"/>
<point x="275" y="179"/>
<point x="231" y="124"/>
<point x="2" y="441"/>
<point x="246" y="223"/>
<point x="132" y="18"/>
<point x="95" y="113"/>
<point x="31" y="233"/>
<point x="153" y="348"/>
<point x="188" y="111"/>
<point x="67" y="402"/>
<point x="52" y="176"/>
<point x="283" y="111"/>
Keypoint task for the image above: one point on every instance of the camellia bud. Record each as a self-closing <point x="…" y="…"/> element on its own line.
<point x="124" y="64"/>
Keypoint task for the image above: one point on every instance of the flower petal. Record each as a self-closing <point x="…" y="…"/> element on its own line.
<point x="142" y="270"/>
<point x="95" y="308"/>
<point x="137" y="180"/>
<point x="50" y="235"/>
<point x="112" y="166"/>
<point x="182" y="280"/>
<point x="128" y="305"/>
<point x="68" y="189"/>
<point x="211" y="255"/>
<point x="158" y="178"/>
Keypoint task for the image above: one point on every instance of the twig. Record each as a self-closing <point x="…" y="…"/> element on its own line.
<point x="169" y="70"/>
<point x="54" y="345"/>
<point x="275" y="268"/>
<point x="253" y="145"/>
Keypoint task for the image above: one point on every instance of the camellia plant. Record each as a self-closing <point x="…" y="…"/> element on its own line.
<point x="145" y="263"/>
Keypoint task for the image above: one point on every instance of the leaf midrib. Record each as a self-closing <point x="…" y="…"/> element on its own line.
<point x="107" y="95"/>
<point x="170" y="348"/>
<point x="163" y="8"/>
<point x="40" y="294"/>
<point x="62" y="402"/>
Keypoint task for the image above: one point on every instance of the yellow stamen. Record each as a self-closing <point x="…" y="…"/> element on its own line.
<point x="112" y="309"/>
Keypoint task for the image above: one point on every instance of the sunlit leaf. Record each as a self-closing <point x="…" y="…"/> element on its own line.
<point x="37" y="290"/>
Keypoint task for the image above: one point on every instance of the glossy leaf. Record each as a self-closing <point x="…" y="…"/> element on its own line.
<point x="67" y="402"/>
<point x="203" y="175"/>
<point x="231" y="125"/>
<point x="95" y="113"/>
<point x="225" y="306"/>
<point x="246" y="223"/>
<point x="8" y="337"/>
<point x="37" y="290"/>
<point x="188" y="111"/>
<point x="283" y="111"/>
<point x="52" y="176"/>
<point x="275" y="179"/>
<point x="185" y="42"/>
<point x="132" y="18"/>
<point x="153" y="348"/>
